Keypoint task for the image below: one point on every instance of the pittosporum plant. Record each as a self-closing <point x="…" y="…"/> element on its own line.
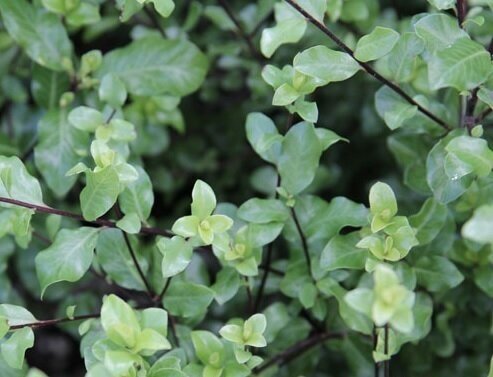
<point x="228" y="188"/>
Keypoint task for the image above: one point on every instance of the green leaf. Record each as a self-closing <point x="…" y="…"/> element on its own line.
<point x="47" y="86"/>
<point x="39" y="33"/>
<point x="290" y="27"/>
<point x="17" y="183"/>
<point x="341" y="252"/>
<point x="285" y="95"/>
<point x="58" y="150"/>
<point x="263" y="136"/>
<point x="85" y="118"/>
<point x="129" y="223"/>
<point x="177" y="255"/>
<point x="112" y="91"/>
<point x="437" y="273"/>
<point x="445" y="188"/>
<point x="84" y="14"/>
<point x="16" y="315"/>
<point x="208" y="348"/>
<point x="376" y="44"/>
<point x="392" y="108"/>
<point x="383" y="205"/>
<point x="226" y="285"/>
<point x="263" y="211"/>
<point x="119" y="321"/>
<point x="403" y="59"/>
<point x="438" y="31"/>
<point x="187" y="299"/>
<point x="328" y="138"/>
<point x="203" y="200"/>
<point x="464" y="66"/>
<point x="325" y="64"/>
<point x="68" y="258"/>
<point x="301" y="151"/>
<point x="442" y="4"/>
<point x="473" y="152"/>
<point x="15" y="347"/>
<point x="153" y="66"/>
<point x="114" y="257"/>
<point x="138" y="196"/>
<point x="101" y="192"/>
<point x="164" y="7"/>
<point x="478" y="227"/>
<point x="429" y="221"/>
<point x="4" y="327"/>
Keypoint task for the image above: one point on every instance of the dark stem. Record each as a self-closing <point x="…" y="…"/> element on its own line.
<point x="164" y="290"/>
<point x="249" y="295"/>
<point x="53" y="322"/>
<point x="461" y="11"/>
<point x="367" y="67"/>
<point x="386" y="365"/>
<point x="483" y="115"/>
<point x="97" y="222"/>
<point x="241" y="31"/>
<point x="42" y="238"/>
<point x="298" y="349"/>
<point x="154" y="20"/>
<point x="304" y="244"/>
<point x="375" y="342"/>
<point x="131" y="250"/>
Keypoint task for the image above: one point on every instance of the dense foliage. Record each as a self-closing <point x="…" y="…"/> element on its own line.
<point x="227" y="188"/>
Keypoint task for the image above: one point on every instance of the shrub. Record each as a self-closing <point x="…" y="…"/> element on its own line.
<point x="349" y="235"/>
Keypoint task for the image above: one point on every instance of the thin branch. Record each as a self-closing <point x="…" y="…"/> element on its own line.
<point x="98" y="222"/>
<point x="367" y="67"/>
<point x="241" y="31"/>
<point x="251" y="308"/>
<point x="298" y="349"/>
<point x="164" y="290"/>
<point x="304" y="243"/>
<point x="40" y="237"/>
<point x="386" y="365"/>
<point x="375" y="342"/>
<point x="154" y="20"/>
<point x="461" y="11"/>
<point x="483" y="115"/>
<point x="53" y="322"/>
<point x="131" y="250"/>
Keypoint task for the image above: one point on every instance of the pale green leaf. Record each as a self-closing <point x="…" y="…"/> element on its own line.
<point x="376" y="44"/>
<point x="325" y="64"/>
<point x="177" y="254"/>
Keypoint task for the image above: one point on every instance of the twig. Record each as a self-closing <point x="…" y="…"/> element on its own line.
<point x="298" y="349"/>
<point x="131" y="250"/>
<point x="367" y="67"/>
<point x="53" y="322"/>
<point x="251" y="308"/>
<point x="386" y="365"/>
<point x="164" y="290"/>
<point x="461" y="11"/>
<point x="98" y="222"/>
<point x="375" y="343"/>
<point x="154" y="21"/>
<point x="304" y="243"/>
<point x="241" y="31"/>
